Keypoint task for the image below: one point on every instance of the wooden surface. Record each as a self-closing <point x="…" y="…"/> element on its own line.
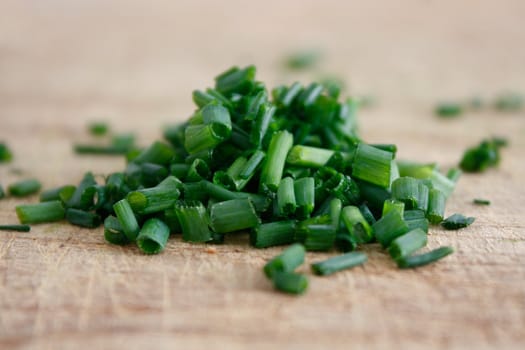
<point x="64" y="63"/>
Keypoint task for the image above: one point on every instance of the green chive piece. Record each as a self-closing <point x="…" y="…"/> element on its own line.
<point x="405" y="245"/>
<point x="82" y="218"/>
<point x="152" y="174"/>
<point x="509" y="102"/>
<point x="262" y="122"/>
<point x="254" y="104"/>
<point x="336" y="207"/>
<point x="389" y="147"/>
<point x="198" y="138"/>
<point x="289" y="282"/>
<point x="309" y="156"/>
<point x="406" y="190"/>
<point x="457" y="221"/>
<point x="155" y="199"/>
<point x="260" y="202"/>
<point x="153" y="236"/>
<point x="233" y="215"/>
<point x="286" y="202"/>
<point x="41" y="212"/>
<point x="315" y="236"/>
<point x="345" y="242"/>
<point x="113" y="231"/>
<point x="449" y="109"/>
<point x="180" y="171"/>
<point x="393" y="204"/>
<point x="98" y="128"/>
<point x="356" y="224"/>
<point x="2" y="192"/>
<point x="17" y="228"/>
<point x="424" y="259"/>
<point x="415" y="219"/>
<point x="291" y="258"/>
<point x="62" y="193"/>
<point x="273" y="234"/>
<point x="127" y="219"/>
<point x="193" y="221"/>
<point x="304" y="59"/>
<point x="389" y="227"/>
<point x="235" y="80"/>
<point x="436" y="206"/>
<point x="480" y="201"/>
<point x="75" y="201"/>
<point x="273" y="166"/>
<point x="481" y="157"/>
<point x="252" y="165"/>
<point x="304" y="190"/>
<point x="367" y="214"/>
<point x="157" y="153"/>
<point x="24" y="188"/>
<point x="5" y="153"/>
<point x="339" y="263"/>
<point x="101" y="149"/>
<point x="454" y="174"/>
<point x="199" y="170"/>
<point x="372" y="165"/>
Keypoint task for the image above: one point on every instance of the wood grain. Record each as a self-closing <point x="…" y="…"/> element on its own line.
<point x="65" y="63"/>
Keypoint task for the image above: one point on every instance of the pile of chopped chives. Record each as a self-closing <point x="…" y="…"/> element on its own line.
<point x="288" y="166"/>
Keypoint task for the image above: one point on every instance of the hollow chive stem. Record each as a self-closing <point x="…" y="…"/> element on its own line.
<point x="356" y="224"/>
<point x="41" y="212"/>
<point x="480" y="201"/>
<point x="393" y="205"/>
<point x="415" y="219"/>
<point x="98" y="128"/>
<point x="273" y="234"/>
<point x="113" y="231"/>
<point x="304" y="190"/>
<point x="454" y="174"/>
<point x="291" y="258"/>
<point x="339" y="263"/>
<point x="202" y="137"/>
<point x="316" y="237"/>
<point x="62" y="193"/>
<point x="260" y="202"/>
<point x="111" y="150"/>
<point x="289" y="282"/>
<point x="127" y="219"/>
<point x="24" y="188"/>
<point x="436" y="206"/>
<point x="336" y="207"/>
<point x="457" y="221"/>
<point x="389" y="227"/>
<point x="153" y="236"/>
<point x="198" y="170"/>
<point x="152" y="174"/>
<point x="254" y="104"/>
<point x="309" y="156"/>
<point x="273" y="166"/>
<point x="193" y="221"/>
<point x="2" y="192"/>
<point x="155" y="199"/>
<point x="235" y="80"/>
<point x="405" y="245"/>
<point x="82" y="218"/>
<point x="424" y="259"/>
<point x="75" y="201"/>
<point x="286" y="197"/>
<point x="252" y="165"/>
<point x="17" y="228"/>
<point x="262" y="122"/>
<point x="372" y="165"/>
<point x="233" y="215"/>
<point x="406" y="190"/>
<point x="157" y="153"/>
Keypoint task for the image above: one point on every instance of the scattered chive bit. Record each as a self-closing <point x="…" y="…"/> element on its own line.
<point x="290" y="282"/>
<point x="449" y="109"/>
<point x="2" y="192"/>
<point x="113" y="231"/>
<point x="24" y="188"/>
<point x="483" y="156"/>
<point x="457" y="221"/>
<point x="338" y="263"/>
<point x="153" y="236"/>
<point x="509" y="102"/>
<point x="98" y="128"/>
<point x="291" y="258"/>
<point x="5" y="153"/>
<point x="41" y="212"/>
<point x="424" y="259"/>
<point x="480" y="201"/>
<point x="17" y="228"/>
<point x="304" y="59"/>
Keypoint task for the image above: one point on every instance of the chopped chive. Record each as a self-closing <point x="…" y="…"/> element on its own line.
<point x="193" y="221"/>
<point x="415" y="219"/>
<point x="195" y="191"/>
<point x="457" y="221"/>
<point x="152" y="174"/>
<point x="93" y="197"/>
<point x="480" y="201"/>
<point x="482" y="156"/>
<point x="41" y="212"/>
<point x="415" y="170"/>
<point x="158" y="153"/>
<point x="436" y="206"/>
<point x="5" y="153"/>
<point x="372" y="165"/>
<point x="304" y="190"/>
<point x="509" y="102"/>
<point x="338" y="263"/>
<point x="454" y="174"/>
<point x="356" y="224"/>
<point x="98" y="128"/>
<point x="233" y="215"/>
<point x="315" y="236"/>
<point x="235" y="80"/>
<point x="389" y="147"/>
<point x="393" y="204"/>
<point x="389" y="227"/>
<point x="262" y="122"/>
<point x="260" y="202"/>
<point x="336" y="206"/>
<point x="291" y="258"/>
<point x="273" y="234"/>
<point x="100" y="149"/>
<point x="83" y="218"/>
<point x="2" y="193"/>
<point x="424" y="259"/>
<point x="24" y="188"/>
<point x="310" y="94"/>
<point x="273" y="166"/>
<point x="17" y="228"/>
<point x="113" y="231"/>
<point x="289" y="94"/>
<point x="286" y="202"/>
<point x="406" y="190"/>
<point x="202" y="137"/>
<point x="403" y="246"/>
<point x="127" y="219"/>
<point x="449" y="109"/>
<point x="180" y="171"/>
<point x="199" y="170"/>
<point x="252" y="165"/>
<point x="367" y="214"/>
<point x="309" y="156"/>
<point x="62" y="193"/>
<point x="442" y="183"/>
<point x="303" y="59"/>
<point x="155" y="199"/>
<point x="289" y="282"/>
<point x="75" y="201"/>
<point x="254" y="104"/>
<point x="153" y="236"/>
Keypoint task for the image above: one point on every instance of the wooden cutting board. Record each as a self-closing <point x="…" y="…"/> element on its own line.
<point x="63" y="64"/>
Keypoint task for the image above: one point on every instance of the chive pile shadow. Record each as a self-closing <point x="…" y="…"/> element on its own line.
<point x="287" y="165"/>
